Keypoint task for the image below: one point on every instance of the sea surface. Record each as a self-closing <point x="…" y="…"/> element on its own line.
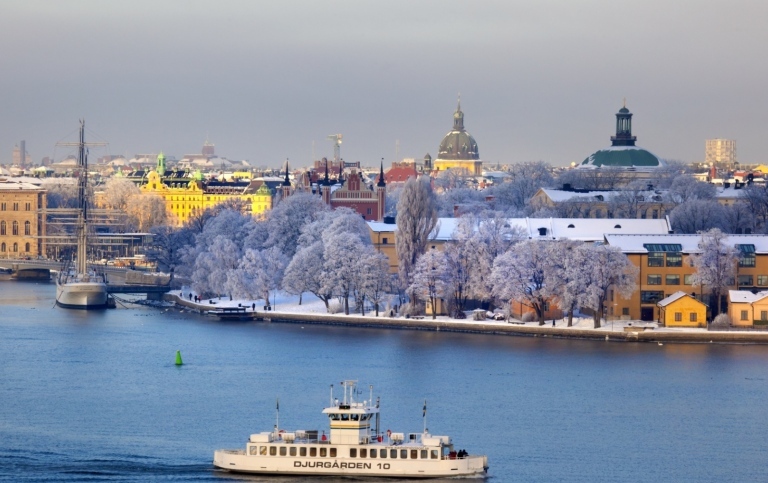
<point x="95" y="396"/>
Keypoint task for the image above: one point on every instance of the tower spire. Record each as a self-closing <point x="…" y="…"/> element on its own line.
<point x="286" y="182"/>
<point x="381" y="175"/>
<point x="458" y="117"/>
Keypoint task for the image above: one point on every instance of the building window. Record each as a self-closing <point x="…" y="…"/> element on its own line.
<point x="625" y="311"/>
<point x="678" y="316"/>
<point x="745" y="280"/>
<point x="744" y="315"/>
<point x="655" y="259"/>
<point x="688" y="279"/>
<point x="747" y="260"/>
<point x="2" y="228"/>
<point x="15" y="247"/>
<point x="384" y="241"/>
<point x="762" y="280"/>
<point x="674" y="259"/>
<point x="15" y="228"/>
<point x="654" y="279"/>
<point x="2" y="207"/>
<point x="764" y="315"/>
<point x="650" y="296"/>
<point x="2" y="247"/>
<point x="15" y="207"/>
<point x="672" y="279"/>
<point x="655" y="214"/>
<point x="28" y="206"/>
<point x="27" y="228"/>
<point x="26" y="247"/>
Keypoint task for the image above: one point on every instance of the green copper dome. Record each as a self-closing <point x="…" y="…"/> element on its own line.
<point x="458" y="144"/>
<point x="623" y="157"/>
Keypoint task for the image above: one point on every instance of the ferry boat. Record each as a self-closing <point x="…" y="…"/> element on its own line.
<point x="353" y="447"/>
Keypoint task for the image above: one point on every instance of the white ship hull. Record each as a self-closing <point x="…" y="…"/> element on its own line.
<point x="239" y="461"/>
<point x="81" y="295"/>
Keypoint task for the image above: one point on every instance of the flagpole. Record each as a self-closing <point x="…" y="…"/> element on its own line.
<point x="424" y="415"/>
<point x="277" y="418"/>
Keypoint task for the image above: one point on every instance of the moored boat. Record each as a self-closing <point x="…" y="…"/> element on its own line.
<point x="352" y="448"/>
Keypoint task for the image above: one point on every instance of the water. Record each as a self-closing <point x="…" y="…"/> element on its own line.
<point x="96" y="396"/>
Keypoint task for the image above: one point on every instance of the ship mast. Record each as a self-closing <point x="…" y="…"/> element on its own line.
<point x="82" y="202"/>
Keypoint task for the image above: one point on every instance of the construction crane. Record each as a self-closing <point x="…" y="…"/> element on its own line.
<point x="336" y="138"/>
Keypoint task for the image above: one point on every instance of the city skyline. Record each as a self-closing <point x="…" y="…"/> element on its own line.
<point x="264" y="81"/>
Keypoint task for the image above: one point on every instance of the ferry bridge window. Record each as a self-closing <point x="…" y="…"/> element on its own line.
<point x="404" y="454"/>
<point x="353" y="452"/>
<point x="433" y="454"/>
<point x="254" y="450"/>
<point x="364" y="452"/>
<point x="302" y="451"/>
<point x="292" y="451"/>
<point x="333" y="452"/>
<point x="355" y="417"/>
<point x="345" y="417"/>
<point x="263" y="450"/>
<point x="423" y="454"/>
<point x="313" y="452"/>
<point x="414" y="454"/>
<point x="273" y="451"/>
<point x="323" y="452"/>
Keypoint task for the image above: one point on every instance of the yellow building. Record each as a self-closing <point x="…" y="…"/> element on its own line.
<point x="682" y="310"/>
<point x="665" y="270"/>
<point x="22" y="219"/>
<point x="748" y="309"/>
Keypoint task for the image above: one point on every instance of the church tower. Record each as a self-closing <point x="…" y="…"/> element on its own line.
<point x="381" y="194"/>
<point x="623" y="135"/>
<point x="160" y="164"/>
<point x="286" y="186"/>
<point x="325" y="188"/>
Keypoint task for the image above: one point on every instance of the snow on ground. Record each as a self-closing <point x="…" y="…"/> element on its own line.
<point x="286" y="303"/>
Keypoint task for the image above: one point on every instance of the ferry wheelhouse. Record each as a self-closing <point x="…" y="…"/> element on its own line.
<point x="354" y="446"/>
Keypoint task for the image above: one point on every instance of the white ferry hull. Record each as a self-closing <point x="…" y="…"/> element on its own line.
<point x="81" y="295"/>
<point x="238" y="461"/>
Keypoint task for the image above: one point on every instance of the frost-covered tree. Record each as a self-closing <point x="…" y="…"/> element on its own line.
<point x="259" y="273"/>
<point x="167" y="245"/>
<point x="467" y="199"/>
<point x="686" y="188"/>
<point x="342" y="252"/>
<point x="145" y="212"/>
<point x="631" y="200"/>
<point x="568" y="273"/>
<point x="715" y="265"/>
<point x="458" y="275"/>
<point x="416" y="218"/>
<point x="756" y="198"/>
<point x="525" y="179"/>
<point x="376" y="279"/>
<point x="695" y="216"/>
<point x="307" y="273"/>
<point x="212" y="266"/>
<point x="607" y="268"/>
<point x="119" y="193"/>
<point x="284" y="221"/>
<point x="738" y="218"/>
<point x="428" y="278"/>
<point x="522" y="273"/>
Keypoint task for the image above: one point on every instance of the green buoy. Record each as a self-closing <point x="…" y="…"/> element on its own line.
<point x="178" y="358"/>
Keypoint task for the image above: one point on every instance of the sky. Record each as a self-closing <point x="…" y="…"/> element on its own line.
<point x="269" y="81"/>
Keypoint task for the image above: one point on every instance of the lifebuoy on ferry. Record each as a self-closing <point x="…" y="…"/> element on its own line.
<point x="281" y="431"/>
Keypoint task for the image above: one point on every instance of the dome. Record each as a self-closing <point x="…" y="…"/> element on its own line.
<point x="458" y="145"/>
<point x="622" y="157"/>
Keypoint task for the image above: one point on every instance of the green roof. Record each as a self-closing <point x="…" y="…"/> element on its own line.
<point x="624" y="158"/>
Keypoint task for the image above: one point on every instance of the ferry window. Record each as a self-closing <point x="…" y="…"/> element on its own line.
<point x="302" y="451"/>
<point x="263" y="450"/>
<point x="323" y="452"/>
<point x="333" y="452"/>
<point x="373" y="453"/>
<point x="292" y="451"/>
<point x="414" y="454"/>
<point x="393" y="453"/>
<point x="423" y="454"/>
<point x="345" y="417"/>
<point x="355" y="417"/>
<point x="313" y="452"/>
<point x="364" y="453"/>
<point x="273" y="451"/>
<point x="433" y="454"/>
<point x="404" y="454"/>
<point x="334" y="417"/>
<point x="382" y="453"/>
<point x="254" y="450"/>
<point x="353" y="452"/>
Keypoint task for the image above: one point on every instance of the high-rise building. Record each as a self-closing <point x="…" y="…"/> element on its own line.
<point x="20" y="156"/>
<point x="721" y="153"/>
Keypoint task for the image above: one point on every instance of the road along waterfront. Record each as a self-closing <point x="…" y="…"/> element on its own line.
<point x="96" y="396"/>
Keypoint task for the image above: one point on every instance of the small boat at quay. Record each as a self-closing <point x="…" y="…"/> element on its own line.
<point x="354" y="446"/>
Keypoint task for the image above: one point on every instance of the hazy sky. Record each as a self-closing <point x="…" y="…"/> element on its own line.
<point x="539" y="80"/>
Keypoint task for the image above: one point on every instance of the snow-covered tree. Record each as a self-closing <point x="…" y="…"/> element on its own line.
<point x="525" y="179"/>
<point x="715" y="265"/>
<point x="695" y="216"/>
<point x="119" y="193"/>
<point x="567" y="275"/>
<point x="145" y="212"/>
<point x="376" y="279"/>
<point x="522" y="273"/>
<point x="416" y="218"/>
<point x="342" y="252"/>
<point x="687" y="188"/>
<point x="428" y="278"/>
<point x="167" y="245"/>
<point x="259" y="273"/>
<point x="212" y="266"/>
<point x="460" y="258"/>
<point x="631" y="200"/>
<point x="467" y="199"/>
<point x="606" y="269"/>
<point x="284" y="221"/>
<point x="307" y="273"/>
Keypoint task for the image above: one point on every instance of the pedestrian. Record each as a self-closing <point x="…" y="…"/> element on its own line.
<point x="553" y="322"/>
<point x="253" y="307"/>
<point x="190" y="296"/>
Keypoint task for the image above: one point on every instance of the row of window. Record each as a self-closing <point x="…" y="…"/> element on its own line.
<point x="693" y="317"/>
<point x="675" y="259"/>
<point x="743" y="280"/>
<point x="14" y="247"/>
<point x="15" y="228"/>
<point x="763" y="315"/>
<point x="15" y="206"/>
<point x="349" y="417"/>
<point x="331" y="452"/>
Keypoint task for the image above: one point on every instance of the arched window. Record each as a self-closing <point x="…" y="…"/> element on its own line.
<point x="26" y="248"/>
<point x="15" y="247"/>
<point x="15" y="229"/>
<point x="2" y="228"/>
<point x="2" y="247"/>
<point x="27" y="228"/>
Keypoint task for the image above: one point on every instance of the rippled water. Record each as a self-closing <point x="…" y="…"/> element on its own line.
<point x="96" y="396"/>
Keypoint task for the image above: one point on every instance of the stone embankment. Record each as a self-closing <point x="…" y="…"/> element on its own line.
<point x="498" y="328"/>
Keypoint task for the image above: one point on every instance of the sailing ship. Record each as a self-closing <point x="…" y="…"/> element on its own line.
<point x="353" y="448"/>
<point x="78" y="286"/>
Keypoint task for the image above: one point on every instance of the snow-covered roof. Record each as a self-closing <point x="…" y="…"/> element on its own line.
<point x="10" y="184"/>
<point x="688" y="243"/>
<point x="583" y="229"/>
<point x="675" y="296"/>
<point x="559" y="195"/>
<point x="745" y="296"/>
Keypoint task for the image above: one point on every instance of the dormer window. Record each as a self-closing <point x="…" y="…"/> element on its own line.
<point x="617" y="226"/>
<point x="571" y="226"/>
<point x="542" y="232"/>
